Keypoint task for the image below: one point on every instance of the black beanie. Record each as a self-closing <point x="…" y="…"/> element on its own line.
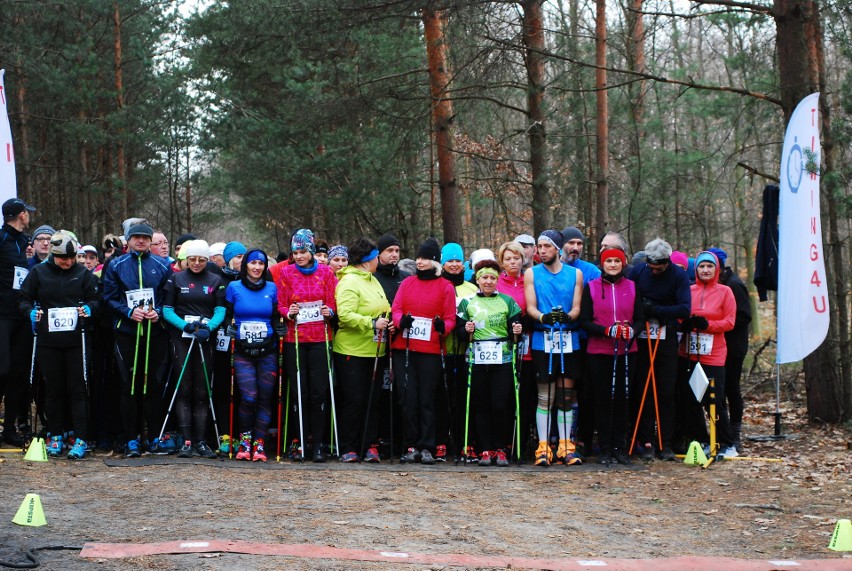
<point x="386" y="241"/>
<point x="429" y="250"/>
<point x="573" y="233"/>
<point x="184" y="238"/>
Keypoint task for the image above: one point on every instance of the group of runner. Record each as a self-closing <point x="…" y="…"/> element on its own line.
<point x="528" y="351"/>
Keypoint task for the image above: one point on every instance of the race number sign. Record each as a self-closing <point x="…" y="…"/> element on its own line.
<point x="253" y="331"/>
<point x="488" y="352"/>
<point x="223" y="340"/>
<point x="700" y="344"/>
<point x="62" y="319"/>
<point x="142" y="298"/>
<point x="421" y="329"/>
<point x="19" y="277"/>
<point x="310" y="312"/>
<point x="654" y="331"/>
<point x="556" y="342"/>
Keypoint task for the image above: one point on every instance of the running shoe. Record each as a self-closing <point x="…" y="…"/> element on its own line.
<point x="78" y="451"/>
<point x="203" y="450"/>
<point x="502" y="461"/>
<point x="605" y="459"/>
<point x="318" y="455"/>
<point x="187" y="450"/>
<point x="372" y="455"/>
<point x="426" y="457"/>
<point x="350" y="457"/>
<point x="132" y="449"/>
<point x="729" y="452"/>
<point x="620" y="456"/>
<point x="543" y="454"/>
<point x="485" y="458"/>
<point x="244" y="448"/>
<point x="441" y="453"/>
<point x="471" y="457"/>
<point x="225" y="445"/>
<point x="410" y="457"/>
<point x="667" y="454"/>
<point x="54" y="447"/>
<point x="257" y="452"/>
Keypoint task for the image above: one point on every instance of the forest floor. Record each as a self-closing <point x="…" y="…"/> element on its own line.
<point x="754" y="510"/>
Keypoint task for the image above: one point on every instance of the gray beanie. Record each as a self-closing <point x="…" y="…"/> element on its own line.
<point x="573" y="233"/>
<point x="44" y="229"/>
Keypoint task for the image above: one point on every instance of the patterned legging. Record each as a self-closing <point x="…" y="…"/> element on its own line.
<point x="256" y="378"/>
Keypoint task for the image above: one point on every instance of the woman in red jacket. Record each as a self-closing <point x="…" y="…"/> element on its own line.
<point x="425" y="310"/>
<point x="714" y="311"/>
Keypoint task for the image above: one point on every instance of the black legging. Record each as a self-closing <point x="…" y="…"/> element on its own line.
<point x="416" y="395"/>
<point x="151" y="405"/>
<point x="192" y="403"/>
<point x="665" y="374"/>
<point x="733" y="376"/>
<point x="691" y="424"/>
<point x="316" y="402"/>
<point x="16" y="345"/>
<point x="62" y="368"/>
<point x="354" y="382"/>
<point x="492" y="389"/>
<point x="610" y="411"/>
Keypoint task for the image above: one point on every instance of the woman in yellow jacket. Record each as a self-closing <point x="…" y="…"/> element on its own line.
<point x="362" y="337"/>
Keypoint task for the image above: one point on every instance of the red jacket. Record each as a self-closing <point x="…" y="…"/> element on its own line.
<point x="427" y="299"/>
<point x="716" y="303"/>
<point x="296" y="287"/>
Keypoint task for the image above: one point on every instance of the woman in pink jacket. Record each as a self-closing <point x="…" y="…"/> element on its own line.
<point x="713" y="313"/>
<point x="424" y="309"/>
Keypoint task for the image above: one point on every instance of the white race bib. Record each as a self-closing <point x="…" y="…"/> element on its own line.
<point x="488" y="352"/>
<point x="253" y="331"/>
<point x="556" y="342"/>
<point x="223" y="340"/>
<point x="19" y="277"/>
<point x="700" y="344"/>
<point x="310" y="312"/>
<point x="62" y="319"/>
<point x="421" y="329"/>
<point x="143" y="298"/>
<point x="655" y="330"/>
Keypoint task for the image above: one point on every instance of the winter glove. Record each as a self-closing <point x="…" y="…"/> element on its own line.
<point x="699" y="322"/>
<point x="650" y="307"/>
<point x="440" y="327"/>
<point x="231" y="331"/>
<point x="626" y="332"/>
<point x="34" y="316"/>
<point x="613" y="331"/>
<point x="190" y="327"/>
<point x="202" y="334"/>
<point x="406" y="322"/>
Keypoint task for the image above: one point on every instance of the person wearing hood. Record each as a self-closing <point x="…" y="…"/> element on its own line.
<point x="610" y="312"/>
<point x="306" y="298"/>
<point x="59" y="296"/>
<point x="453" y="270"/>
<point x="363" y="313"/>
<point x="194" y="305"/>
<point x="713" y="313"/>
<point x="425" y="310"/>
<point x="252" y="307"/>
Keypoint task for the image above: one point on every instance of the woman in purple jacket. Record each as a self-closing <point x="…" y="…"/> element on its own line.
<point x="608" y="311"/>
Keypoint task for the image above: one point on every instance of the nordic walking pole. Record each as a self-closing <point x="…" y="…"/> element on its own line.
<point x="83" y="340"/>
<point x="147" y="353"/>
<point x="280" y="392"/>
<point x="654" y="387"/>
<point x="370" y="393"/>
<point x="135" y="359"/>
<point x="177" y="387"/>
<point x="404" y="395"/>
<point x="209" y="392"/>
<point x="231" y="405"/>
<point x="612" y="389"/>
<point x="299" y="392"/>
<point x="467" y="399"/>
<point x="516" y="432"/>
<point x="390" y="395"/>
<point x="652" y="350"/>
<point x="32" y="370"/>
<point x="331" y="388"/>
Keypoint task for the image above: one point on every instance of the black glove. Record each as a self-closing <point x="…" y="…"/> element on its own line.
<point x="406" y="322"/>
<point x="650" y="308"/>
<point x="203" y="334"/>
<point x="548" y="318"/>
<point x="699" y="322"/>
<point x="190" y="327"/>
<point x="231" y="331"/>
<point x="440" y="327"/>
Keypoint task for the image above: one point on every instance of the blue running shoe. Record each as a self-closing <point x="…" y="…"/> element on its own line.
<point x="54" y="447"/>
<point x="78" y="451"/>
<point x="132" y="449"/>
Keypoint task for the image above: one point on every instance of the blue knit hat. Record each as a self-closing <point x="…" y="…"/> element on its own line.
<point x="554" y="237"/>
<point x="233" y="249"/>
<point x="338" y="250"/>
<point x="720" y="253"/>
<point x="303" y="239"/>
<point x="451" y="251"/>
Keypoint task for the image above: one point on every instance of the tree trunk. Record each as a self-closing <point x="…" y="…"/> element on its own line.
<point x="602" y="139"/>
<point x="801" y="69"/>
<point x="119" y="100"/>
<point x="442" y="117"/>
<point x="533" y="35"/>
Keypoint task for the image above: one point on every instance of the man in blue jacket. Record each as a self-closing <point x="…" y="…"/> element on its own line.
<point x="133" y="292"/>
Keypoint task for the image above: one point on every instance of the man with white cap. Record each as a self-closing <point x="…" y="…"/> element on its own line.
<point x="15" y="333"/>
<point x="527" y="242"/>
<point x="217" y="250"/>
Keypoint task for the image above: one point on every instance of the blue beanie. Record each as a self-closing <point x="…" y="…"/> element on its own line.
<point x="451" y="251"/>
<point x="706" y="256"/>
<point x="233" y="249"/>
<point x="720" y="253"/>
<point x="303" y="239"/>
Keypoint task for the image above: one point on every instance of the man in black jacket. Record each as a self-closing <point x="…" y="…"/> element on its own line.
<point x="15" y="334"/>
